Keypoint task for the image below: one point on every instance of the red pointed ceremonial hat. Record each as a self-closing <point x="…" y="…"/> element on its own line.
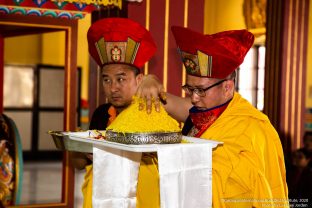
<point x="213" y="56"/>
<point x="120" y="41"/>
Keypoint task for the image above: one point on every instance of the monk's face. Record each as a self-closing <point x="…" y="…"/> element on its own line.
<point x="215" y="96"/>
<point x="120" y="83"/>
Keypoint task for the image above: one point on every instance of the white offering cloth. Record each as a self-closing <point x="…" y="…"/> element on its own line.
<point x="184" y="172"/>
<point x="185" y="175"/>
<point x="115" y="176"/>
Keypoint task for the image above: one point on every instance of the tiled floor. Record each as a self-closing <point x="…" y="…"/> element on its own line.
<point x="42" y="183"/>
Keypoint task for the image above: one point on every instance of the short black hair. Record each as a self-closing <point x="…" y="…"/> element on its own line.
<point x="233" y="75"/>
<point x="136" y="70"/>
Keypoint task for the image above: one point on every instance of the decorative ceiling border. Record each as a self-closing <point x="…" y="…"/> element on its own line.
<point x="41" y="12"/>
<point x="69" y="9"/>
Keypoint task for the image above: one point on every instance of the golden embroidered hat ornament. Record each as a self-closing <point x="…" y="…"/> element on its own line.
<point x="120" y="41"/>
<point x="123" y="41"/>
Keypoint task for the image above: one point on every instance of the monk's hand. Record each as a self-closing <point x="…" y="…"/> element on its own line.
<point x="151" y="91"/>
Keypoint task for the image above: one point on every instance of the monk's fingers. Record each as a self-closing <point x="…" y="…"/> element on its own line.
<point x="149" y="101"/>
<point x="141" y="105"/>
<point x="141" y="101"/>
<point x="139" y="93"/>
<point x="163" y="97"/>
<point x="157" y="104"/>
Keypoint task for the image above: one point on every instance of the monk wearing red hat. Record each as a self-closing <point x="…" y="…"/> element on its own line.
<point x="120" y="47"/>
<point x="248" y="169"/>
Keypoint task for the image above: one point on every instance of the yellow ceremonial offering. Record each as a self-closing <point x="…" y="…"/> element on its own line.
<point x="134" y="126"/>
<point x="134" y="120"/>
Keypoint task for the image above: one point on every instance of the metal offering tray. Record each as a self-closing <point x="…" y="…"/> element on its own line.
<point x="63" y="142"/>
<point x="144" y="138"/>
<point x="85" y="141"/>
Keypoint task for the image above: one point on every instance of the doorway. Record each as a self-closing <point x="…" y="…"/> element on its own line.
<point x="18" y="25"/>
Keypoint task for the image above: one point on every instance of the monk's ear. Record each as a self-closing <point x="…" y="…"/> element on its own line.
<point x="229" y="87"/>
<point x="139" y="78"/>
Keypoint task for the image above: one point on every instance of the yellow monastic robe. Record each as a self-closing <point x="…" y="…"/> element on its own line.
<point x="87" y="187"/>
<point x="148" y="182"/>
<point x="248" y="169"/>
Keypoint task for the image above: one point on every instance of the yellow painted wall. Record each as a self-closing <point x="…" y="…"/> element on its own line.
<point x="22" y="50"/>
<point x="53" y="48"/>
<point x="223" y="15"/>
<point x="83" y="53"/>
<point x="49" y="48"/>
<point x="309" y="65"/>
<point x="54" y="51"/>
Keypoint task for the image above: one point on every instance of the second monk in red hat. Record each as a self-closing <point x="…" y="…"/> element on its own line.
<point x="248" y="170"/>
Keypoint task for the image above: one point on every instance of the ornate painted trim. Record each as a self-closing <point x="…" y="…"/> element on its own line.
<point x="41" y="12"/>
